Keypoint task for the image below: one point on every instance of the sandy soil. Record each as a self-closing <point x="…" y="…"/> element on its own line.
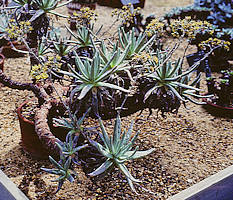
<point x="190" y="146"/>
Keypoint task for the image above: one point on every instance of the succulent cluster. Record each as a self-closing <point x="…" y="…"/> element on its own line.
<point x="155" y="27"/>
<point x="84" y="16"/>
<point x="106" y="77"/>
<point x="190" y="28"/>
<point x="118" y="149"/>
<point x="214" y="42"/>
<point x="127" y="13"/>
<point x="39" y="72"/>
<point x="18" y="30"/>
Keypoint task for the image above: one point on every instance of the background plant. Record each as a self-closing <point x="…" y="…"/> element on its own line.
<point x="118" y="149"/>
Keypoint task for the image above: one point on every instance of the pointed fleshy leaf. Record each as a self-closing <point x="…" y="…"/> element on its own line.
<point x="85" y="90"/>
<point x="105" y="139"/>
<point x="131" y="185"/>
<point x="176" y="93"/>
<point x="139" y="154"/>
<point x="101" y="149"/>
<point x="117" y="129"/>
<point x="102" y="168"/>
<point x="149" y="92"/>
<point x="109" y="85"/>
<point x="55" y="162"/>
<point x="126" y="172"/>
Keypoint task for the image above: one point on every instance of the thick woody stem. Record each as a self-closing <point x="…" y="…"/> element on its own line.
<point x="41" y="120"/>
<point x="38" y="91"/>
<point x="42" y="128"/>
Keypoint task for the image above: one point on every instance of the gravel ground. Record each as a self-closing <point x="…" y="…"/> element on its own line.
<point x="190" y="146"/>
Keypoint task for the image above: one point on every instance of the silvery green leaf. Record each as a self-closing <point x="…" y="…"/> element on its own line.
<point x="139" y="49"/>
<point x="105" y="70"/>
<point x="105" y="136"/>
<point x="37" y="15"/>
<point x="109" y="85"/>
<point x="51" y="171"/>
<point x="75" y="90"/>
<point x="101" y="149"/>
<point x="85" y="90"/>
<point x="185" y="86"/>
<point x="176" y="93"/>
<point x="60" y="183"/>
<point x="124" y="169"/>
<point x="139" y="154"/>
<point x="129" y="133"/>
<point x="80" y="66"/>
<point x="102" y="168"/>
<point x="149" y="92"/>
<point x="62" y="177"/>
<point x="196" y="95"/>
<point x="175" y="68"/>
<point x="193" y="101"/>
<point x="117" y="129"/>
<point x="67" y="164"/>
<point x="129" y="146"/>
<point x="131" y="185"/>
<point x="55" y="162"/>
<point x="59" y="146"/>
<point x="70" y="178"/>
<point x="80" y="148"/>
<point x="69" y="74"/>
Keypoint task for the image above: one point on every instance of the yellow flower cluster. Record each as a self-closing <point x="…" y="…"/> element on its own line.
<point x="40" y="72"/>
<point x="189" y="28"/>
<point x="214" y="42"/>
<point x="155" y="27"/>
<point x="16" y="31"/>
<point x="126" y="13"/>
<point x="54" y="62"/>
<point x="84" y="15"/>
<point x="143" y="57"/>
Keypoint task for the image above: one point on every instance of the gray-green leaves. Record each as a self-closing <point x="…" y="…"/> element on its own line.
<point x="133" y="43"/>
<point x="118" y="149"/>
<point x="168" y="74"/>
<point x="61" y="169"/>
<point x="91" y="74"/>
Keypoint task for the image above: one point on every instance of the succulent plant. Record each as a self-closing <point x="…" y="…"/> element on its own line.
<point x="118" y="59"/>
<point x="83" y="37"/>
<point x="91" y="75"/>
<point x="62" y="169"/>
<point x="73" y="124"/>
<point x="168" y="75"/>
<point x="43" y="49"/>
<point x="136" y="44"/>
<point x="118" y="149"/>
<point x="69" y="148"/>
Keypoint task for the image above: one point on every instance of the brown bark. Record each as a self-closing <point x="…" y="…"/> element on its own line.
<point x="38" y="91"/>
<point x="41" y="120"/>
<point x="42" y="128"/>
